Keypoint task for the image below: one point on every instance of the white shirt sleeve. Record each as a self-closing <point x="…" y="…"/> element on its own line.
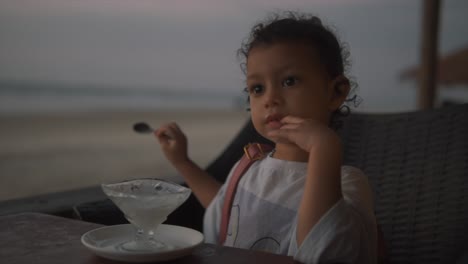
<point x="212" y="217"/>
<point x="347" y="232"/>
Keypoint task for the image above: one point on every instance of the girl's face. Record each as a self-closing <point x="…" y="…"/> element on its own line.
<point x="286" y="78"/>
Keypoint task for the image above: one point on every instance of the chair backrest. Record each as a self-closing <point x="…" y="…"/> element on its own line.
<point x="417" y="164"/>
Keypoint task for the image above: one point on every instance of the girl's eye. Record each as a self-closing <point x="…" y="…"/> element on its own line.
<point x="290" y="81"/>
<point x="256" y="89"/>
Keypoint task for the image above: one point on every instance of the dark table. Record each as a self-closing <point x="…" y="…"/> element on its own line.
<point x="40" y="238"/>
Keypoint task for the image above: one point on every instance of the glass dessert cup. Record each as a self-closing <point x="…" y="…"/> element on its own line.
<point x="146" y="203"/>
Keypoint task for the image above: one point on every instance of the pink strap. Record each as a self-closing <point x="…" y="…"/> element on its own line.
<point x="253" y="152"/>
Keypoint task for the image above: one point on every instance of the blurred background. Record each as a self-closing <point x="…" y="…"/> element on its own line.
<point x="76" y="74"/>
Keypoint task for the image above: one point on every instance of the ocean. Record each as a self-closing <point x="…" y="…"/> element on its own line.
<point x="28" y="97"/>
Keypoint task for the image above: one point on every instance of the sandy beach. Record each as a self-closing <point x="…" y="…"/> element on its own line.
<point x="43" y="153"/>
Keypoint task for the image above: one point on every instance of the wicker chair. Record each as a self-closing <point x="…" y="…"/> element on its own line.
<point x="417" y="164"/>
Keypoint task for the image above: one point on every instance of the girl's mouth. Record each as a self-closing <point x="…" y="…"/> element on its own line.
<point x="274" y="121"/>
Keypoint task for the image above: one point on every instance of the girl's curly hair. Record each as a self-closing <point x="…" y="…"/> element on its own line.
<point x="292" y="26"/>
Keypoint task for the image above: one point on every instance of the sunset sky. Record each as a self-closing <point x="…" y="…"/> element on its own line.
<point x="190" y="45"/>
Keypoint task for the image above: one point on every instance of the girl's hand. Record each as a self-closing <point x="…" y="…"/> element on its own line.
<point x="305" y="133"/>
<point x="322" y="187"/>
<point x="173" y="143"/>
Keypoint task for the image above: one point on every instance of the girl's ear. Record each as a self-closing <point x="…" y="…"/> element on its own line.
<point x="340" y="88"/>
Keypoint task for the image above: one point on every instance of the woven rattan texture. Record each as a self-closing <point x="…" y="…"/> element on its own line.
<point x="417" y="164"/>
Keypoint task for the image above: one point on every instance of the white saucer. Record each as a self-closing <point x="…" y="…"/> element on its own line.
<point x="102" y="241"/>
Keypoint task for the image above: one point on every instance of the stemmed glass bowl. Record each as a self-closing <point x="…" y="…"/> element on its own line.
<point x="146" y="203"/>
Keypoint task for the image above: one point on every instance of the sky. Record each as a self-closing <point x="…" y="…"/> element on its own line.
<point x="191" y="45"/>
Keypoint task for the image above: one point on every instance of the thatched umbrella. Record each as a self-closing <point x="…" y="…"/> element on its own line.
<point x="451" y="69"/>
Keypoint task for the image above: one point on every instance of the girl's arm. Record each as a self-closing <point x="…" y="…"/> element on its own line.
<point x="174" y="145"/>
<point x="203" y="185"/>
<point x="322" y="187"/>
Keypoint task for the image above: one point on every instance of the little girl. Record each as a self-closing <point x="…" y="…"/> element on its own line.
<point x="299" y="200"/>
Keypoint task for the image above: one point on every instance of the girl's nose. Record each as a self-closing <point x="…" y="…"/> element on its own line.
<point x="273" y="97"/>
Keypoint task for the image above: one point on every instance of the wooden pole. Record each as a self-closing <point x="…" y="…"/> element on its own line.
<point x="428" y="71"/>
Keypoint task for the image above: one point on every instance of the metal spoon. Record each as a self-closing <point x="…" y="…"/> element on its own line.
<point x="143" y="128"/>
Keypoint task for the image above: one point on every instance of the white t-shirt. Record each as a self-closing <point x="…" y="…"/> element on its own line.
<point x="264" y="215"/>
